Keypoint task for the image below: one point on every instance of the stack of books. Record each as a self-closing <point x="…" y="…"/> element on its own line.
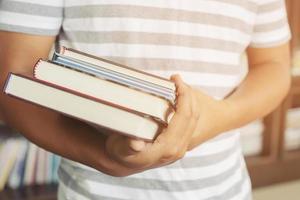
<point x="100" y="92"/>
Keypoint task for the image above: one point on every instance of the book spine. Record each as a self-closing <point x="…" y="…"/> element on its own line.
<point x="6" y="82"/>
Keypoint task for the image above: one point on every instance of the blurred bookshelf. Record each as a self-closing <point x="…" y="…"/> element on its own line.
<point x="26" y="171"/>
<point x="279" y="156"/>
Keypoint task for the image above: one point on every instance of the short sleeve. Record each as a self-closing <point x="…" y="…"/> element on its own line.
<point x="271" y="26"/>
<point x="38" y="17"/>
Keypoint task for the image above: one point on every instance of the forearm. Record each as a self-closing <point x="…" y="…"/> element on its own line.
<point x="18" y="54"/>
<point x="64" y="136"/>
<point x="48" y="129"/>
<point x="51" y="131"/>
<point x="263" y="89"/>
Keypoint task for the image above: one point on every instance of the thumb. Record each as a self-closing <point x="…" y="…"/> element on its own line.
<point x="136" y="145"/>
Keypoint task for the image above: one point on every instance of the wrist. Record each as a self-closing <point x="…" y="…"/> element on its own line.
<point x="216" y="117"/>
<point x="227" y="115"/>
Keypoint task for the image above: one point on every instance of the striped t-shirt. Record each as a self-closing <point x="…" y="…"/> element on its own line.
<point x="203" y="40"/>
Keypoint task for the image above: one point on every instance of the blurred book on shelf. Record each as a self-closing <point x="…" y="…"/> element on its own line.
<point x="22" y="163"/>
<point x="252" y="134"/>
<point x="251" y="138"/>
<point x="292" y="131"/>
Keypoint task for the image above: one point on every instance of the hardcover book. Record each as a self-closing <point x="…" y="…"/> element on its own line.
<point x="92" y="110"/>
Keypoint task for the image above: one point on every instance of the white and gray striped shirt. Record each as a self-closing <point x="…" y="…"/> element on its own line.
<point x="203" y="40"/>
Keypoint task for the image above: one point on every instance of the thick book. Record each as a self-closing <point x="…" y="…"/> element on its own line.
<point x="116" y="72"/>
<point x="94" y="111"/>
<point x="148" y="104"/>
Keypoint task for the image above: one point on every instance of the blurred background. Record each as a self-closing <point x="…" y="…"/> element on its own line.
<point x="271" y="146"/>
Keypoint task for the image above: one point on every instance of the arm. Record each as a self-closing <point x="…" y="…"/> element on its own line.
<point x="266" y="85"/>
<point x="199" y="117"/>
<point x="50" y="130"/>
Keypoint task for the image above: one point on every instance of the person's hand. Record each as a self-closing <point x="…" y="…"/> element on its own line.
<point x="170" y="145"/>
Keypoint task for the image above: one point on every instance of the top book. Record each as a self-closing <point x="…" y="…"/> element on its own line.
<point x="116" y="72"/>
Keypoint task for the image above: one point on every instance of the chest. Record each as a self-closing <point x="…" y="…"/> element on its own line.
<point x="223" y="20"/>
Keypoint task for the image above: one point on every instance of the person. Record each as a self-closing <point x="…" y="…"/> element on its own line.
<point x="201" y="44"/>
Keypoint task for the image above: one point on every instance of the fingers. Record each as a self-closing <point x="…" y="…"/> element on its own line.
<point x="183" y="105"/>
<point x="185" y="114"/>
<point x="118" y="146"/>
<point x="193" y="120"/>
<point x="127" y="151"/>
<point x="110" y="166"/>
<point x="173" y="142"/>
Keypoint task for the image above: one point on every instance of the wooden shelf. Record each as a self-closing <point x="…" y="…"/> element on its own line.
<point x="265" y="172"/>
<point x="38" y="192"/>
<point x="275" y="164"/>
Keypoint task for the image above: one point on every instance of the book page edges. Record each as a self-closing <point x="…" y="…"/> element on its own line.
<point x="69" y="52"/>
<point x="162" y="121"/>
<point x="163" y="105"/>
